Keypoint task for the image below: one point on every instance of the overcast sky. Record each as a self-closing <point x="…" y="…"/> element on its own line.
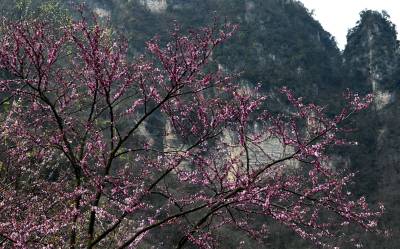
<point x="337" y="16"/>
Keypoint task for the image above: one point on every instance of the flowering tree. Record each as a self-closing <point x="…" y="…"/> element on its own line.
<point x="86" y="160"/>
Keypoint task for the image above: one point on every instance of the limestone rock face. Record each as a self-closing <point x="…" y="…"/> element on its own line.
<point x="102" y="12"/>
<point x="249" y="6"/>
<point x="156" y="6"/>
<point x="383" y="98"/>
<point x="270" y="150"/>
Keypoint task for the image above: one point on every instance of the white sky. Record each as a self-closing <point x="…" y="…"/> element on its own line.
<point x="337" y="16"/>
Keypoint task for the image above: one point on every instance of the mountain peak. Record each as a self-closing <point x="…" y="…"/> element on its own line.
<point x="371" y="51"/>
